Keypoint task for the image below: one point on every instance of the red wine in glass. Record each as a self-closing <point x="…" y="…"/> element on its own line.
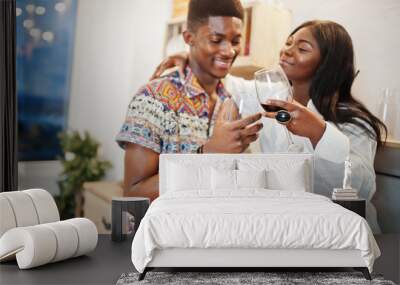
<point x="272" y="108"/>
<point x="273" y="84"/>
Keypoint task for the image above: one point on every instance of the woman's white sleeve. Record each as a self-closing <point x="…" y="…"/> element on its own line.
<point x="354" y="142"/>
<point x="334" y="145"/>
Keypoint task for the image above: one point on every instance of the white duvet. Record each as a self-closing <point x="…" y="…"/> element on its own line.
<point x="250" y="219"/>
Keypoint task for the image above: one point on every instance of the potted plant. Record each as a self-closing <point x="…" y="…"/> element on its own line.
<point x="81" y="162"/>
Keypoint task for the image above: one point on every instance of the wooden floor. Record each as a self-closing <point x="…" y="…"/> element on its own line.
<point x="110" y="260"/>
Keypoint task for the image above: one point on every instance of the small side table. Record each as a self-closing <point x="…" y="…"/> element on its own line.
<point x="127" y="211"/>
<point x="357" y="205"/>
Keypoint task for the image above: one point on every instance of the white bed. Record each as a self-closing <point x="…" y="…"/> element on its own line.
<point x="202" y="219"/>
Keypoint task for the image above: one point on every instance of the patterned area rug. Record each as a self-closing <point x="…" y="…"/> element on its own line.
<point x="269" y="278"/>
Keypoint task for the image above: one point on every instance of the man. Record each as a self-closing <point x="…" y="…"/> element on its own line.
<point x="186" y="113"/>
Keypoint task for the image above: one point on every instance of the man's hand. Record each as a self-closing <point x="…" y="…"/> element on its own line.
<point x="231" y="134"/>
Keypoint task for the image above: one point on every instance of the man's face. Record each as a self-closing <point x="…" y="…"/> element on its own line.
<point x="215" y="45"/>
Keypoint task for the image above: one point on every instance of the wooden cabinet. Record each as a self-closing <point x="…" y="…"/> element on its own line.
<point x="97" y="203"/>
<point x="265" y="29"/>
<point x="179" y="8"/>
<point x="174" y="42"/>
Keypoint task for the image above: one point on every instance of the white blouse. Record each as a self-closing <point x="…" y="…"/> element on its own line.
<point x="330" y="152"/>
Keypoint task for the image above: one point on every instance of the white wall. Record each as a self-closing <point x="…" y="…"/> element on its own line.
<point x="373" y="26"/>
<point x="117" y="46"/>
<point x="39" y="174"/>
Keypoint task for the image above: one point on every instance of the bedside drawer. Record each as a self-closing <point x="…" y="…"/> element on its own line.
<point x="356" y="206"/>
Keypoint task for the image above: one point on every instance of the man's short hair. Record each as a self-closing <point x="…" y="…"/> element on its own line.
<point x="201" y="10"/>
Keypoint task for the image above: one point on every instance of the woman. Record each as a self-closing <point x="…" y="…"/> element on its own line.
<point x="318" y="59"/>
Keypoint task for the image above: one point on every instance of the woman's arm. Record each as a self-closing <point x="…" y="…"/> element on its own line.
<point x="141" y="171"/>
<point x="179" y="60"/>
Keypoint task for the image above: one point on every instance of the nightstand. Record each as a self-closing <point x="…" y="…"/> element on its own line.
<point x="127" y="212"/>
<point x="357" y="205"/>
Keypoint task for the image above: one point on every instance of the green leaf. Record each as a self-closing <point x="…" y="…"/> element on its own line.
<point x="85" y="165"/>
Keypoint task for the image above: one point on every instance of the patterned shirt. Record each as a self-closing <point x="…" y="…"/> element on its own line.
<point x="171" y="114"/>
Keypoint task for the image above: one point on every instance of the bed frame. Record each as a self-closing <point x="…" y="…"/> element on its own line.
<point x="242" y="259"/>
<point x="248" y="259"/>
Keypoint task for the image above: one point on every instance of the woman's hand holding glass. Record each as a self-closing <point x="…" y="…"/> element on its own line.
<point x="272" y="84"/>
<point x="303" y="122"/>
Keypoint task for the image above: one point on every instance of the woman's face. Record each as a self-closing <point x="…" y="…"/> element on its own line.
<point x="300" y="56"/>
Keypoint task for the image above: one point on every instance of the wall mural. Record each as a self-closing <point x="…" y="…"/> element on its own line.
<point x="45" y="37"/>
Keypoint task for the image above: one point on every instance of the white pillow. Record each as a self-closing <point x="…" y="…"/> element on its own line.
<point x="281" y="174"/>
<point x="251" y="178"/>
<point x="292" y="180"/>
<point x="190" y="175"/>
<point x="183" y="177"/>
<point x="223" y="179"/>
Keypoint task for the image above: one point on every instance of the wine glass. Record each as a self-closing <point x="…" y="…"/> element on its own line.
<point x="273" y="84"/>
